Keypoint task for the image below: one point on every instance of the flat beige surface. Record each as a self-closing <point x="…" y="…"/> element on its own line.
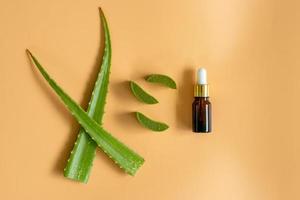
<point x="251" y="49"/>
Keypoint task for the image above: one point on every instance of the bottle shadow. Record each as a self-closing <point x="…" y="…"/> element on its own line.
<point x="185" y="99"/>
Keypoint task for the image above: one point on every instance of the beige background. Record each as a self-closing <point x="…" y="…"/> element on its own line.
<point x="251" y="50"/>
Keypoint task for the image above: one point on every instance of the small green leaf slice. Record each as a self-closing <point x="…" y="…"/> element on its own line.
<point x="162" y="79"/>
<point x="141" y="94"/>
<point x="151" y="124"/>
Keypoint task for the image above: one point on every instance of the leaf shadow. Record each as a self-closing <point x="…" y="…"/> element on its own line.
<point x="121" y="90"/>
<point x="127" y="118"/>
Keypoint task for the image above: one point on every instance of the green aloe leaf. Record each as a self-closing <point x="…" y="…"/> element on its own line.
<point x="162" y="79"/>
<point x="126" y="158"/>
<point x="81" y="159"/>
<point x="141" y="94"/>
<point x="150" y="124"/>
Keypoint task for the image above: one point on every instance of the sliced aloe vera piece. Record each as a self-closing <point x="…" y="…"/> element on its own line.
<point x="126" y="158"/>
<point x="150" y="124"/>
<point x="81" y="158"/>
<point x="141" y="94"/>
<point x="162" y="79"/>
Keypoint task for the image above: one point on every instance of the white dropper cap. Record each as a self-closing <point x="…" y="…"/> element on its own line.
<point x="202" y="76"/>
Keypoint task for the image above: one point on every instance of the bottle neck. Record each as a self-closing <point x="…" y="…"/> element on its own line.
<point x="201" y="90"/>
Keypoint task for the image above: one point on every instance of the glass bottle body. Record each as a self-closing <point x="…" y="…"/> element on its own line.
<point x="201" y="111"/>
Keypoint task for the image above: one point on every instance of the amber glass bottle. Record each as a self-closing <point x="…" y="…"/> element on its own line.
<point x="201" y="115"/>
<point x="201" y="108"/>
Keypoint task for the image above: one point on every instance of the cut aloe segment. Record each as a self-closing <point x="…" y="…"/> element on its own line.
<point x="162" y="79"/>
<point x="150" y="123"/>
<point x="141" y="94"/>
<point x="81" y="158"/>
<point x="126" y="158"/>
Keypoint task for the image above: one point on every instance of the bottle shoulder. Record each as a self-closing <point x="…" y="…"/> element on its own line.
<point x="201" y="99"/>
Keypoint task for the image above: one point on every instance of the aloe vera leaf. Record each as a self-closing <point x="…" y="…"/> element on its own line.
<point x="81" y="158"/>
<point x="150" y="124"/>
<point x="141" y="94"/>
<point x="126" y="158"/>
<point x="162" y="79"/>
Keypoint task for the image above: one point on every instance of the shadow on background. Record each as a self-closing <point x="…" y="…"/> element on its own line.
<point x="127" y="118"/>
<point x="185" y="99"/>
<point x="121" y="90"/>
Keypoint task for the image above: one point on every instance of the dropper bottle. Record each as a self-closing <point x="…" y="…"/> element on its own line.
<point x="201" y="106"/>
